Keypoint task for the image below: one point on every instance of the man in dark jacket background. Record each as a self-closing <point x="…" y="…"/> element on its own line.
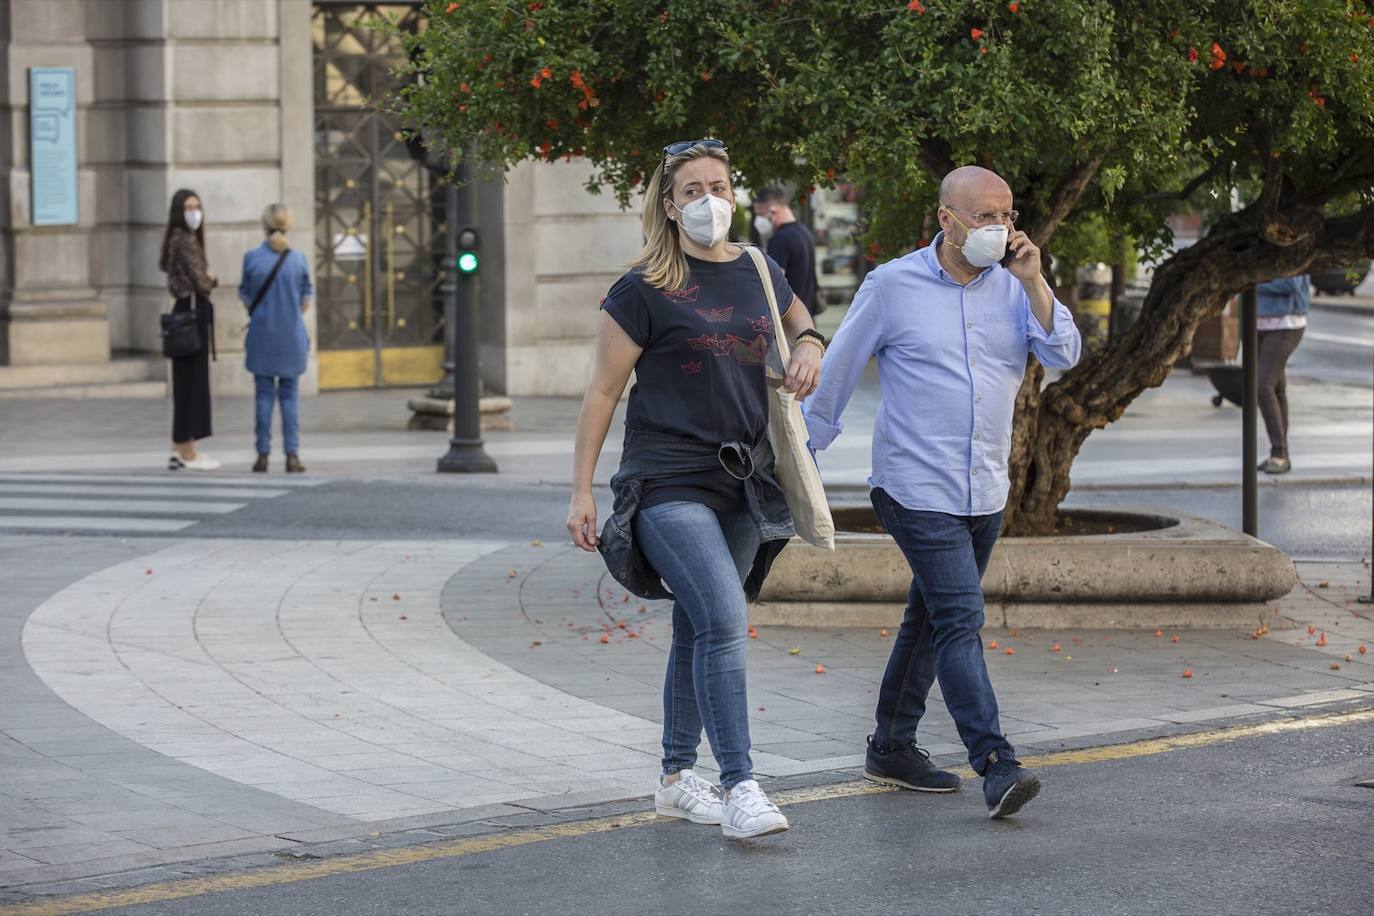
<point x="789" y="243"/>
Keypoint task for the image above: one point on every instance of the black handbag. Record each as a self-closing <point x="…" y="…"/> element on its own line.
<point x="181" y="333"/>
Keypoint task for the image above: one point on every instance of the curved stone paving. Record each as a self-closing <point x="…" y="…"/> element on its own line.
<point x="323" y="672"/>
<point x="377" y="680"/>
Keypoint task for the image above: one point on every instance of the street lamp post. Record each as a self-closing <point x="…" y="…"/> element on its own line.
<point x="1369" y="598"/>
<point x="1249" y="361"/>
<point x="462" y="346"/>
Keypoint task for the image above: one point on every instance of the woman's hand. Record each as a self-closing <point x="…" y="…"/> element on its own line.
<point x="803" y="370"/>
<point x="214" y="280"/>
<point x="582" y="521"/>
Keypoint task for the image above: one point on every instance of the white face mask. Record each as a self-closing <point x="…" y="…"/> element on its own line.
<point x="193" y="218"/>
<point x="763" y="226"/>
<point x="985" y="246"/>
<point x="706" y="220"/>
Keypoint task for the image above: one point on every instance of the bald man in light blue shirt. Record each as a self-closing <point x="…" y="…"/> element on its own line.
<point x="951" y="329"/>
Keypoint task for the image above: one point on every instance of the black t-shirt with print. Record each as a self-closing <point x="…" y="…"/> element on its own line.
<point x="701" y="373"/>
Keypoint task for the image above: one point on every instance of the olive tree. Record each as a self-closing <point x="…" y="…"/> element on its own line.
<point x="1113" y="111"/>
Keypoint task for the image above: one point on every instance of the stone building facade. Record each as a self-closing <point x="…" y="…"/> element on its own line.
<point x="250" y="102"/>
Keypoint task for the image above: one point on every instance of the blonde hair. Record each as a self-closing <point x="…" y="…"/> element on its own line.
<point x="661" y="258"/>
<point x="276" y="219"/>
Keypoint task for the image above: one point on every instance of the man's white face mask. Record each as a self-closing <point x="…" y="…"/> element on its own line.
<point x="763" y="226"/>
<point x="984" y="246"/>
<point x="706" y="220"/>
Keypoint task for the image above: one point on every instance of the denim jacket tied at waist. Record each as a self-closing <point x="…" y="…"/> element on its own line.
<point x="650" y="456"/>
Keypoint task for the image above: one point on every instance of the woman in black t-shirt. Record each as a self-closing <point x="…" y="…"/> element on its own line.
<point x="691" y="320"/>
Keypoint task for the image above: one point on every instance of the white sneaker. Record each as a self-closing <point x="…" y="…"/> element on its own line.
<point x="202" y="462"/>
<point x="747" y="812"/>
<point x="691" y="798"/>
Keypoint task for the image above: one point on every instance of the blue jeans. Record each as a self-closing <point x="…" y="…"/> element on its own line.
<point x="940" y="630"/>
<point x="267" y="389"/>
<point x="704" y="557"/>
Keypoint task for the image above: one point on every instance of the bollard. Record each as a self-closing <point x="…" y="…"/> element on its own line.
<point x="1094" y="311"/>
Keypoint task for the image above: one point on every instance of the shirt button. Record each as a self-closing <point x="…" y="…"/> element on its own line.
<point x="973" y="362"/>
<point x="976" y="435"/>
<point x="975" y="472"/>
<point x="969" y="325"/>
<point x="978" y="400"/>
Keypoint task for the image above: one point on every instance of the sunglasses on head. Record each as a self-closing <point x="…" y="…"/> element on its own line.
<point x="681" y="146"/>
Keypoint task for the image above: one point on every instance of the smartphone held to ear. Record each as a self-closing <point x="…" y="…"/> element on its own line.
<point x="1008" y="257"/>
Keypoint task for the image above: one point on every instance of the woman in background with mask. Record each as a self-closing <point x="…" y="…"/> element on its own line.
<point x="190" y="281"/>
<point x="696" y="505"/>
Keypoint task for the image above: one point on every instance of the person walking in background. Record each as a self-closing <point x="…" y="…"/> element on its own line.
<point x="789" y="243"/>
<point x="1281" y="310"/>
<point x="696" y="504"/>
<point x="951" y="328"/>
<point x="276" y="289"/>
<point x="189" y="280"/>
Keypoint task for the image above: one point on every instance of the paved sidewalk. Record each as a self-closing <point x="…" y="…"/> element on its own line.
<point x="1171" y="435"/>
<point x="186" y="699"/>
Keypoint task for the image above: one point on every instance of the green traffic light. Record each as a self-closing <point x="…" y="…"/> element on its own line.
<point x="467" y="262"/>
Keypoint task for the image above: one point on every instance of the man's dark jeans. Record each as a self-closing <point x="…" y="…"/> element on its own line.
<point x="940" y="632"/>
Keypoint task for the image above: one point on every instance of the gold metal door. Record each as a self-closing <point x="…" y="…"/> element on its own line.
<point x="378" y="211"/>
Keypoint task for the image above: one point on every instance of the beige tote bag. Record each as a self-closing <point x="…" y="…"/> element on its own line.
<point x="794" y="467"/>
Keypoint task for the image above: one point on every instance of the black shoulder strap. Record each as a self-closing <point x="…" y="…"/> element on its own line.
<point x="270" y="277"/>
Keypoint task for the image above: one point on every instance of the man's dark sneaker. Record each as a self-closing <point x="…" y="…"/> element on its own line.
<point x="908" y="767"/>
<point x="1007" y="786"/>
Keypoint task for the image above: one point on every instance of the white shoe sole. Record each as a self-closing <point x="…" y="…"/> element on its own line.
<point x="889" y="781"/>
<point x="670" y="811"/>
<point x="736" y="833"/>
<point x="1015" y="798"/>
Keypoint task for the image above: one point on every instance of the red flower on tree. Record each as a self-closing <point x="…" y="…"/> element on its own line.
<point x="451" y="8"/>
<point x="1218" y="56"/>
<point x="1014" y="7"/>
<point x="917" y="6"/>
<point x="1192" y="55"/>
<point x="976" y="34"/>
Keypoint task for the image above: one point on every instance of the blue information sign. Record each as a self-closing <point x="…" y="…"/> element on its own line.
<point x="52" y="145"/>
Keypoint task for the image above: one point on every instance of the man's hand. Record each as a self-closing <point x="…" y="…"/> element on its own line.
<point x="1025" y="263"/>
<point x="803" y="370"/>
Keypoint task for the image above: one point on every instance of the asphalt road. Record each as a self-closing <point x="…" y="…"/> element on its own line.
<point x="1261" y="825"/>
<point x="1336" y="347"/>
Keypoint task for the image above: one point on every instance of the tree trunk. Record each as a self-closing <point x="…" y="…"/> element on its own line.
<point x="1242" y="250"/>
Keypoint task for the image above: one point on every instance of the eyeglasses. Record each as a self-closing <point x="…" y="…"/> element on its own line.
<point x="988" y="217"/>
<point x="681" y="146"/>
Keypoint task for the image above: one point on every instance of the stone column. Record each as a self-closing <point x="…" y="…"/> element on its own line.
<point x="50" y="312"/>
<point x="563" y="250"/>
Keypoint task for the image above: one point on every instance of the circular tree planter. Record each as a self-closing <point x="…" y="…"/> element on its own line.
<point x="1129" y="570"/>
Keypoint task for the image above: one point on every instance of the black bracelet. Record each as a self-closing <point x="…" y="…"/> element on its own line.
<point x="812" y="332"/>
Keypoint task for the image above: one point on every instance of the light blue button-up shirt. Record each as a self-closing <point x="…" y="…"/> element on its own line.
<point x="950" y="360"/>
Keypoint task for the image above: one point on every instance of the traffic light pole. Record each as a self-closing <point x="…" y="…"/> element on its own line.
<point x="1249" y="403"/>
<point x="465" y="452"/>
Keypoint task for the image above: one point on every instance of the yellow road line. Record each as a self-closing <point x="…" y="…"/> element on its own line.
<point x="370" y="861"/>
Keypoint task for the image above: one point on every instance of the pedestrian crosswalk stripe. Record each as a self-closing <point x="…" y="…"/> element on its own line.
<point x="135" y="503"/>
<point x="92" y="489"/>
<point x="91" y="523"/>
<point x="165" y="478"/>
<point x="150" y="506"/>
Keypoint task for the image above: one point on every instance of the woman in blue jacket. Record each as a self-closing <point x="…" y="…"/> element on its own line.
<point x="1282" y="314"/>
<point x="276" y="289"/>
